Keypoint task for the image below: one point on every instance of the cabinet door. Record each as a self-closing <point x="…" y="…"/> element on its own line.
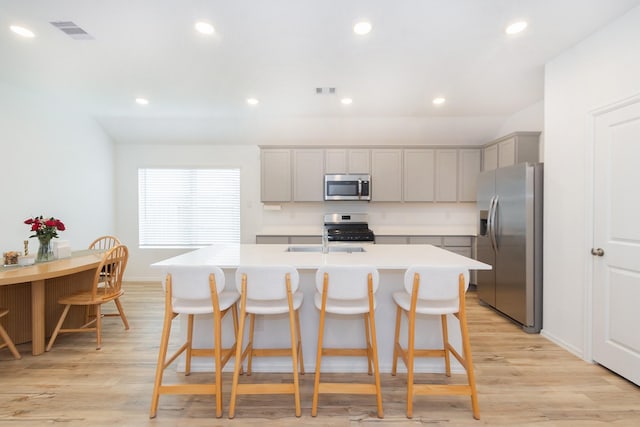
<point x="490" y="158"/>
<point x="419" y="175"/>
<point x="507" y="152"/>
<point x="275" y="175"/>
<point x="468" y="170"/>
<point x="386" y="175"/>
<point x="308" y="176"/>
<point x="446" y="175"/>
<point x="335" y="160"/>
<point x="391" y="240"/>
<point x="359" y="160"/>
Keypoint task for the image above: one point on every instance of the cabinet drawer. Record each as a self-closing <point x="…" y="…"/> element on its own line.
<point x="305" y="240"/>
<point x="457" y="241"/>
<point x="391" y="240"/>
<point x="464" y="251"/>
<point x="425" y="240"/>
<point x="281" y="240"/>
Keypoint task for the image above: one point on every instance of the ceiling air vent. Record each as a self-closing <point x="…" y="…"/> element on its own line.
<point x="325" y="91"/>
<point x="72" y="30"/>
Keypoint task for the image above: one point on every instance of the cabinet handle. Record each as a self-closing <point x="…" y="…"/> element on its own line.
<point x="597" y="251"/>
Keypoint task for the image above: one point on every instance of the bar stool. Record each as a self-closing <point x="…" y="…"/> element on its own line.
<point x="195" y="290"/>
<point x="5" y="337"/>
<point x="268" y="290"/>
<point x="441" y="292"/>
<point x="348" y="290"/>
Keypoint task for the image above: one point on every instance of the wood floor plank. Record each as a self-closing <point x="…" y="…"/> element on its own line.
<point x="523" y="380"/>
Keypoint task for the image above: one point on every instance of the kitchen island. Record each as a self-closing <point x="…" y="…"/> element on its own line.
<point x="390" y="260"/>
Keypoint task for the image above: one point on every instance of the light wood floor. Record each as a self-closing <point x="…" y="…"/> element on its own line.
<point x="522" y="380"/>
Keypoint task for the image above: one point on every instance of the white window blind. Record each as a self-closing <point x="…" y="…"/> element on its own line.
<point x="188" y="207"/>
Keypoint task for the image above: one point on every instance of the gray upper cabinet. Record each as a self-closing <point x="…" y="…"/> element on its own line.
<point x="512" y="149"/>
<point x="447" y="175"/>
<point x="308" y="175"/>
<point x="275" y="175"/>
<point x="351" y="160"/>
<point x="386" y="175"/>
<point x="419" y="175"/>
<point x="468" y="170"/>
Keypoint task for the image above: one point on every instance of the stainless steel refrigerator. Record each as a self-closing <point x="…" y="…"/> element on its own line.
<point x="510" y="239"/>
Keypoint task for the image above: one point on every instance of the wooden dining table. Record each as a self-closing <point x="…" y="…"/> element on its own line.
<point x="31" y="294"/>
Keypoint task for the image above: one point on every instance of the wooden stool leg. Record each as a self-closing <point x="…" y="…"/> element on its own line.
<point x="316" y="383"/>
<point x="9" y="343"/>
<point x="374" y="345"/>
<point x="446" y="345"/>
<point x="396" y="341"/>
<point x="468" y="359"/>
<point x="187" y="363"/>
<point x="410" y="360"/>
<point x="252" y="324"/>
<point x="294" y="352"/>
<point x="217" y="321"/>
<point x="162" y="357"/>
<point x="299" y="346"/>
<point x="56" y="331"/>
<point x="238" y="357"/>
<point x="99" y="325"/>
<point x="368" y="341"/>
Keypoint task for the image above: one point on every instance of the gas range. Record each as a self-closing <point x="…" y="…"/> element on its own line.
<point x="348" y="228"/>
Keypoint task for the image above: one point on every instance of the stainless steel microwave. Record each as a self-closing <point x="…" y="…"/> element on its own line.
<point x="347" y="187"/>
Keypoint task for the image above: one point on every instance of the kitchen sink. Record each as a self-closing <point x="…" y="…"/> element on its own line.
<point x="347" y="249"/>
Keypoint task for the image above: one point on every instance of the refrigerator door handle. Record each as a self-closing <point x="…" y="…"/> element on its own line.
<point x="492" y="216"/>
<point x="490" y="221"/>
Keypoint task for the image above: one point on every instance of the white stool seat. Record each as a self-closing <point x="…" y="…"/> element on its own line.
<point x="403" y="299"/>
<point x="279" y="306"/>
<point x="339" y="306"/>
<point x="203" y="306"/>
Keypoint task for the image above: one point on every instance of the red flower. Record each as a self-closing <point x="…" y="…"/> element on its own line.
<point x="29" y="221"/>
<point x="45" y="227"/>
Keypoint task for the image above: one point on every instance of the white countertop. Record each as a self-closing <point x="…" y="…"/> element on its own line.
<point x="389" y="257"/>
<point x="380" y="230"/>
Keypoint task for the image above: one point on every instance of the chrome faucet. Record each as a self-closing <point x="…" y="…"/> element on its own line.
<point x="325" y="240"/>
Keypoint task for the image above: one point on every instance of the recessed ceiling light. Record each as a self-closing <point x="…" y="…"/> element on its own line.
<point x="204" y="27"/>
<point x="516" y="27"/>
<point x="439" y="100"/>
<point x="24" y="32"/>
<point x="362" y="28"/>
<point x="252" y="101"/>
<point x="346" y="101"/>
<point x="142" y="101"/>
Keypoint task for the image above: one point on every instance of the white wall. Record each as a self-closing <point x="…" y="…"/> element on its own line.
<point x="599" y="71"/>
<point x="53" y="162"/>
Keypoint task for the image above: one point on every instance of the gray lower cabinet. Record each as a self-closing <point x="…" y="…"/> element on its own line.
<point x="288" y="240"/>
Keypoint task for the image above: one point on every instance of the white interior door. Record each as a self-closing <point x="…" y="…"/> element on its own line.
<point x="616" y="251"/>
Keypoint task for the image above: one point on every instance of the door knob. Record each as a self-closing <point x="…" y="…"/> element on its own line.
<point x="597" y="251"/>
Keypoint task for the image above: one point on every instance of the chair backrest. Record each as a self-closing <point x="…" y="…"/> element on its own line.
<point x="104" y="243"/>
<point x="436" y="283"/>
<point x="347" y="282"/>
<point x="115" y="261"/>
<point x="192" y="282"/>
<point x="267" y="282"/>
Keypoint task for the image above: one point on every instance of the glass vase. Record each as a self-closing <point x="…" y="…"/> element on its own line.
<point x="45" y="250"/>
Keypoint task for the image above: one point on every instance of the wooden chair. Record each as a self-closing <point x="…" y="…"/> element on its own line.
<point x="5" y="337"/>
<point x="348" y="290"/>
<point x="268" y="290"/>
<point x="195" y="291"/>
<point x="104" y="243"/>
<point x="110" y="290"/>
<point x="438" y="292"/>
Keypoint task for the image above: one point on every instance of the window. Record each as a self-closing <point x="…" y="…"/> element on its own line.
<point x="188" y="207"/>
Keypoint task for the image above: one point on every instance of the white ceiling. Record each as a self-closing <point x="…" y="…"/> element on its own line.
<point x="279" y="51"/>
